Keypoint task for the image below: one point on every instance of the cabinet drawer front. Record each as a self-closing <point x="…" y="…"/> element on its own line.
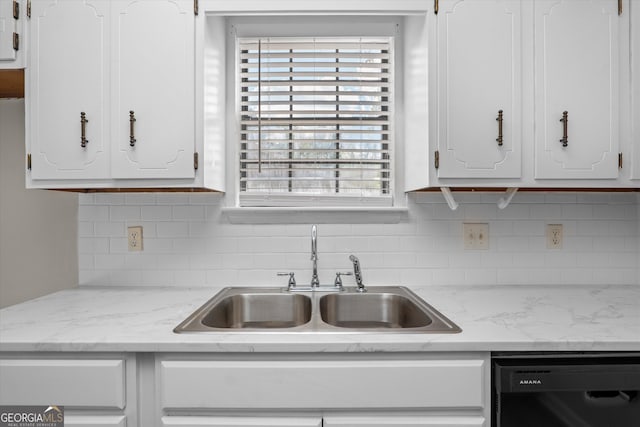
<point x="95" y="421"/>
<point x="382" y="421"/>
<point x="322" y="384"/>
<point x="240" y="422"/>
<point x="95" y="383"/>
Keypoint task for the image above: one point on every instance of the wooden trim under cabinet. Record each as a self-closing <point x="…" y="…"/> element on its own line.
<point x="11" y="83"/>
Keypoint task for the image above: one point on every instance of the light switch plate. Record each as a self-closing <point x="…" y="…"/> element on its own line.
<point x="476" y="236"/>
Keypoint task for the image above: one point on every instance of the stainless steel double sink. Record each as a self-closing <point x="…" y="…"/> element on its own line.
<point x="380" y="309"/>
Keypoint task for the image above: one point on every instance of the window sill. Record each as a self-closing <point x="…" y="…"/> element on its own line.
<point x="315" y="215"/>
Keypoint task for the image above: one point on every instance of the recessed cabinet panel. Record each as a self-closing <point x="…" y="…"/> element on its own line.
<point x="577" y="57"/>
<point x="153" y="89"/>
<point x="479" y="89"/>
<point x="7" y="28"/>
<point x="68" y="76"/>
<point x="321" y="384"/>
<point x="90" y="383"/>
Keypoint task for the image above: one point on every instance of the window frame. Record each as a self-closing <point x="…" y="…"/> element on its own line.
<point x="319" y="26"/>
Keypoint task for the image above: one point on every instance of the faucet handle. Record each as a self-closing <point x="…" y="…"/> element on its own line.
<point x="338" y="282"/>
<point x="292" y="280"/>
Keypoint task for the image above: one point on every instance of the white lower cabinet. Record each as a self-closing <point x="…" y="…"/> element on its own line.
<point x="251" y="390"/>
<point x="97" y="391"/>
<point x="241" y="422"/>
<point x="327" y="421"/>
<point x="95" y="421"/>
<point x="332" y="391"/>
<point x="401" y="421"/>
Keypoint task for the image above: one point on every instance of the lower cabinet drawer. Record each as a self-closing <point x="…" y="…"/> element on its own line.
<point x="322" y="384"/>
<point x="404" y="421"/>
<point x="328" y="421"/>
<point x="91" y="383"/>
<point x="195" y="421"/>
<point x="95" y="421"/>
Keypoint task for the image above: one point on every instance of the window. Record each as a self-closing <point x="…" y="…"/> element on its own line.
<point x="316" y="119"/>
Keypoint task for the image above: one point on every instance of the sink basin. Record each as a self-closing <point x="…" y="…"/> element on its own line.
<point x="372" y="311"/>
<point x="250" y="308"/>
<point x="392" y="309"/>
<point x="383" y="308"/>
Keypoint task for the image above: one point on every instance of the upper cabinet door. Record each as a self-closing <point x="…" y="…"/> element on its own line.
<point x="479" y="88"/>
<point x="153" y="89"/>
<point x="8" y="26"/>
<point x="577" y="64"/>
<point x="68" y="76"/>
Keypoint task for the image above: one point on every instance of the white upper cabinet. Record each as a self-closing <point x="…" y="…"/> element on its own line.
<point x="111" y="95"/>
<point x="635" y="94"/>
<point x="479" y="89"/>
<point x="532" y="61"/>
<point x="153" y="89"/>
<point x="11" y="35"/>
<point x="67" y="89"/>
<point x="577" y="65"/>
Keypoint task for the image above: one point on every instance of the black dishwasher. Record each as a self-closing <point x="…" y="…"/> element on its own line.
<point x="584" y="389"/>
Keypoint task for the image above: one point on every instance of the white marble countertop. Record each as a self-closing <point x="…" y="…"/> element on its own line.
<point x="492" y="318"/>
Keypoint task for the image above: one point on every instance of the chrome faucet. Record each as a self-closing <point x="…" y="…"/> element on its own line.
<point x="315" y="282"/>
<point x="357" y="273"/>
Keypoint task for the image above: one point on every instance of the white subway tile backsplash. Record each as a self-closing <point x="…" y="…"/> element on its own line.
<point x="156" y="213"/>
<point x="188" y="242"/>
<point x="172" y="229"/>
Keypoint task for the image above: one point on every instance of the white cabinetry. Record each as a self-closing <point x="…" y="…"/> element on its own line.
<point x="94" y="391"/>
<point x="447" y="390"/>
<point x="408" y="421"/>
<point x="12" y="42"/>
<point x="68" y="79"/>
<point x="479" y="89"/>
<point x="534" y="61"/>
<point x="111" y="94"/>
<point x="241" y="422"/>
<point x="153" y="85"/>
<point x="577" y="52"/>
<point x="635" y="82"/>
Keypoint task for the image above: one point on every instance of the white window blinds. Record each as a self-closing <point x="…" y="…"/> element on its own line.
<point x="315" y="121"/>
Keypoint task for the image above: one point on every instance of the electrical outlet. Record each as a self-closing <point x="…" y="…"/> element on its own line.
<point x="134" y="238"/>
<point x="554" y="236"/>
<point x="476" y="236"/>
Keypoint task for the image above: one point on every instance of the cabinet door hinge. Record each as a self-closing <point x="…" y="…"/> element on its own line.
<point x="436" y="6"/>
<point x="16" y="41"/>
<point x="16" y="9"/>
<point x="28" y="8"/>
<point x="195" y="7"/>
<point x="29" y="161"/>
<point x="436" y="160"/>
<point x="195" y="161"/>
<point x="619" y="160"/>
<point x="619" y="7"/>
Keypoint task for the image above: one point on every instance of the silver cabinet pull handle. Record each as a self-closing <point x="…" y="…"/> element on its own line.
<point x="83" y="130"/>
<point x="499" y="119"/>
<point x="565" y="136"/>
<point x="132" y="120"/>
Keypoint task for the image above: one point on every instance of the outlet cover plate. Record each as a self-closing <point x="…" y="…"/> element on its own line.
<point x="134" y="238"/>
<point x="554" y="236"/>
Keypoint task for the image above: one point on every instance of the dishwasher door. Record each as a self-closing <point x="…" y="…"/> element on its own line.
<point x="566" y="390"/>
